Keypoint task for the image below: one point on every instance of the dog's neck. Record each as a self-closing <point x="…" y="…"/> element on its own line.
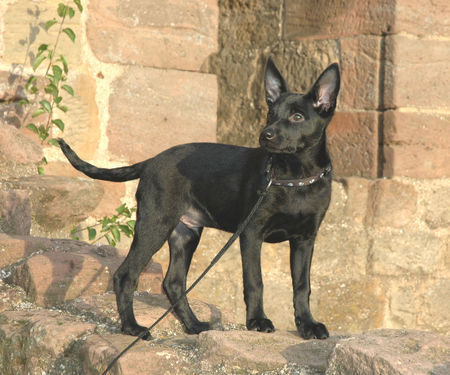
<point x="303" y="164"/>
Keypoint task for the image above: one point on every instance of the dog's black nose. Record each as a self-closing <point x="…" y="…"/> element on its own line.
<point x="268" y="134"/>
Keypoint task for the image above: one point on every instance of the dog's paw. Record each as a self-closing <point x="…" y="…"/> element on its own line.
<point x="312" y="330"/>
<point x="137" y="330"/>
<point x="260" y="325"/>
<point x="198" y="327"/>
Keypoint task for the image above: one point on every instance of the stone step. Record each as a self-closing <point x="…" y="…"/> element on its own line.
<point x="58" y="202"/>
<point x="56" y="271"/>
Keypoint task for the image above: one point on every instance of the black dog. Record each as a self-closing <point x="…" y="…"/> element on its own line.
<point x="191" y="186"/>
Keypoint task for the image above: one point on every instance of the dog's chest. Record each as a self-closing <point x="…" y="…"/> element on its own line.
<point x="294" y="213"/>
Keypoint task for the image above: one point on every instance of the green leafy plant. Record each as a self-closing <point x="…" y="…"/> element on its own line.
<point x="55" y="77"/>
<point x="110" y="228"/>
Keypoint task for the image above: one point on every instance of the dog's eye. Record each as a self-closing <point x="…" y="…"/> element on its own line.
<point x="297" y="117"/>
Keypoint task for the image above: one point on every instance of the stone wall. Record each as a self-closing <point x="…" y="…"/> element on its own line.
<point x="148" y="76"/>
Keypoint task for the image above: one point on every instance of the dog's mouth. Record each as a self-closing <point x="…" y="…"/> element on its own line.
<point x="279" y="150"/>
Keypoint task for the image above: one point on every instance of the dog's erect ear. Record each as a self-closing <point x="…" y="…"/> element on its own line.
<point x="274" y="83"/>
<point x="325" y="90"/>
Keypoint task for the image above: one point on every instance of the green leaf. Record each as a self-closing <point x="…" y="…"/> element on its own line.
<point x="64" y="61"/>
<point x="41" y="170"/>
<point x="71" y="12"/>
<point x="34" y="90"/>
<point x="38" y="61"/>
<point x="33" y="128"/>
<point x="126" y="230"/>
<point x="63" y="108"/>
<point x="30" y="81"/>
<point x="50" y="23"/>
<point x="44" y="161"/>
<point x="68" y="89"/>
<point x="131" y="223"/>
<point x="62" y="9"/>
<point x="59" y="123"/>
<point x="115" y="232"/>
<point x="69" y="33"/>
<point x="57" y="72"/>
<point x="78" y="3"/>
<point x="58" y="99"/>
<point x="53" y="142"/>
<point x="22" y="102"/>
<point x="52" y="89"/>
<point x="42" y="47"/>
<point x="38" y="112"/>
<point x="110" y="240"/>
<point x="46" y="105"/>
<point x="92" y="234"/>
<point x="121" y="208"/>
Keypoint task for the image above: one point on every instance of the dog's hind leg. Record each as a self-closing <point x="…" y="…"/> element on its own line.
<point x="182" y="243"/>
<point x="149" y="237"/>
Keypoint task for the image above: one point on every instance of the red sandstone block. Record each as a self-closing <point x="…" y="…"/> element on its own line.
<point x="416" y="144"/>
<point x="353" y="143"/>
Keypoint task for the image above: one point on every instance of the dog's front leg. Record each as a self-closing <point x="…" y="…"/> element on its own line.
<point x="253" y="284"/>
<point x="301" y="255"/>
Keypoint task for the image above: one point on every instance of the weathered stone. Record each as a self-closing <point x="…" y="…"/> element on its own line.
<point x="391" y="203"/>
<point x="19" y="154"/>
<point x="434" y="311"/>
<point x="356" y="206"/>
<point x="337" y="18"/>
<point x="113" y="192"/>
<point x="416" y="144"/>
<point x="11" y="297"/>
<point x="30" y="341"/>
<point x="78" y="270"/>
<point x="424" y="58"/>
<point x="82" y="125"/>
<point x="59" y="202"/>
<point x="11" y="92"/>
<point x="360" y="68"/>
<point x="16" y="248"/>
<point x="143" y="121"/>
<point x="247" y="350"/>
<point x="169" y="35"/>
<point x="353" y="143"/>
<point x="147" y="308"/>
<point x="15" y="212"/>
<point x="20" y="40"/>
<point x="422" y="18"/>
<point x="143" y="358"/>
<point x="419" y="253"/>
<point x="392" y="352"/>
<point x="348" y="305"/>
<point x="437" y="212"/>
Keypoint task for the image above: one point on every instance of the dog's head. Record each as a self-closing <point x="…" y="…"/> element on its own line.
<point x="296" y="122"/>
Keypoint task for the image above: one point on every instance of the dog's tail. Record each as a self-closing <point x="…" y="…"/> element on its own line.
<point x="131" y="172"/>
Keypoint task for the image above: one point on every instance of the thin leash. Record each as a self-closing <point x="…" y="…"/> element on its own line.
<point x="219" y="255"/>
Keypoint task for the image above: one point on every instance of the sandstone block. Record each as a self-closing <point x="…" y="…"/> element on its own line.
<point x="422" y="18"/>
<point x="22" y="29"/>
<point x="32" y="340"/>
<point x="425" y="58"/>
<point x="416" y="144"/>
<point x="58" y="202"/>
<point x="391" y="203"/>
<point x="16" y="248"/>
<point x="353" y="143"/>
<point x="143" y="121"/>
<point x="360" y="67"/>
<point x="19" y="154"/>
<point x="98" y="351"/>
<point x="11" y="91"/>
<point x="391" y="352"/>
<point x="437" y="212"/>
<point x="417" y="253"/>
<point x="357" y="191"/>
<point x="170" y="35"/>
<point x="247" y="350"/>
<point x="338" y="18"/>
<point x="348" y="305"/>
<point x="15" y="212"/>
<point x="80" y="269"/>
